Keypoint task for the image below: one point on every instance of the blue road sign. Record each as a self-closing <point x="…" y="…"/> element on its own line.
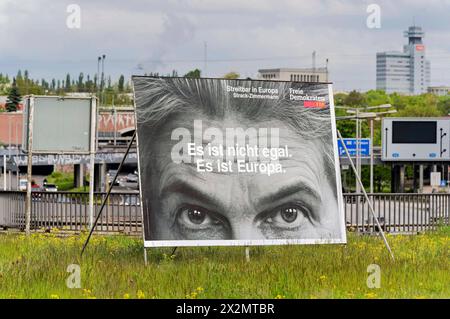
<point x="351" y="146"/>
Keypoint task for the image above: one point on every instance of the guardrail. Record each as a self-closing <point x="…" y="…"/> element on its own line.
<point x="396" y="213"/>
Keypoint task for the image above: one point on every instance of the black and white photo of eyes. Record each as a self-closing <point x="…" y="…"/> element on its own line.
<point x="194" y="222"/>
<point x="206" y="197"/>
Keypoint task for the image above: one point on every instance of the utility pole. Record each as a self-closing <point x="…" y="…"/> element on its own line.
<point x="358" y="166"/>
<point x="371" y="155"/>
<point x="103" y="77"/>
<point x="98" y="76"/>
<point x="314" y="61"/>
<point x="205" y="58"/>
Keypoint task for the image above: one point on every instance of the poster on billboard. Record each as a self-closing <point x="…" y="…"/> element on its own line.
<point x="237" y="162"/>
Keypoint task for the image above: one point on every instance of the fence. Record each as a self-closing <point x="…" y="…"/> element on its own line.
<point x="397" y="213"/>
<point x="70" y="211"/>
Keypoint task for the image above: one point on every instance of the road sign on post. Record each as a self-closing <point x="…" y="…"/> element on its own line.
<point x="364" y="149"/>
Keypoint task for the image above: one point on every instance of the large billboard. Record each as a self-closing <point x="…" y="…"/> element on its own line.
<point x="237" y="162"/>
<point x="60" y="124"/>
<point x="416" y="139"/>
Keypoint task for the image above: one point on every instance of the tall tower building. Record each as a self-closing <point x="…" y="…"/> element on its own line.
<point x="405" y="72"/>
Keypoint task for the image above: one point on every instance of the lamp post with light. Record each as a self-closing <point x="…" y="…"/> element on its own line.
<point x="359" y="114"/>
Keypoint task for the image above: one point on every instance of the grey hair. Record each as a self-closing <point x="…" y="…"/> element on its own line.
<point x="159" y="99"/>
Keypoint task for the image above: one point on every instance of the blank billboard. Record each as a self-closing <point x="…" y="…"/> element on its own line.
<point x="60" y="125"/>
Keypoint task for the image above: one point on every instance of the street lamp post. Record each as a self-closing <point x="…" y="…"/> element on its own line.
<point x="371" y="155"/>
<point x="358" y="115"/>
<point x="103" y="77"/>
<point x="98" y="76"/>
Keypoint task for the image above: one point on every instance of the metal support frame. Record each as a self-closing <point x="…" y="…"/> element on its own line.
<point x="28" y="201"/>
<point x="369" y="202"/>
<point x="108" y="193"/>
<point x="4" y="172"/>
<point x="92" y="149"/>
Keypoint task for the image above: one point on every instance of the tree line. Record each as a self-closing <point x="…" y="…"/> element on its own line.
<point x="116" y="93"/>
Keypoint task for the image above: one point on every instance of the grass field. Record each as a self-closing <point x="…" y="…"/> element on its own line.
<point x="112" y="267"/>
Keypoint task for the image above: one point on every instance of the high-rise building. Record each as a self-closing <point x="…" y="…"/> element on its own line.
<point x="405" y="72"/>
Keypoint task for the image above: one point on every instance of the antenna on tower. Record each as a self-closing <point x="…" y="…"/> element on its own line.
<point x="314" y="61"/>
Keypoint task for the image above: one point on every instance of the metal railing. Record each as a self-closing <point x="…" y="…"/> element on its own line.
<point x="70" y="211"/>
<point x="397" y="213"/>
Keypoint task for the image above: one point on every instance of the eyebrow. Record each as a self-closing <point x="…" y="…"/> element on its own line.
<point x="184" y="187"/>
<point x="288" y="190"/>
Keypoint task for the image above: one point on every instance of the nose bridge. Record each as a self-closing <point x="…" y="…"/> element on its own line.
<point x="241" y="211"/>
<point x="244" y="229"/>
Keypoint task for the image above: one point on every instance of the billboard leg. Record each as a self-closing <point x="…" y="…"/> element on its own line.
<point x="4" y="172"/>
<point x="91" y="190"/>
<point x="402" y="178"/>
<point x="145" y="257"/>
<point x="420" y="178"/>
<point x="247" y="254"/>
<point x="369" y="202"/>
<point x="108" y="193"/>
<point x="92" y="149"/>
<point x="29" y="167"/>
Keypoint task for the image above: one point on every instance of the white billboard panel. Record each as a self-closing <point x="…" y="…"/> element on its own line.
<point x="60" y="124"/>
<point x="237" y="162"/>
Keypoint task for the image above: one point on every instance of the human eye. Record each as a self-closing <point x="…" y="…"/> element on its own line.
<point x="194" y="222"/>
<point x="286" y="221"/>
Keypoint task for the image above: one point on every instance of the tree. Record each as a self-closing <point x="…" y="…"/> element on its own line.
<point x="80" y="85"/>
<point x="193" y="74"/>
<point x="377" y="97"/>
<point x="67" y="86"/>
<point x="444" y="105"/>
<point x="14" y="98"/>
<point x="339" y="98"/>
<point x="355" y="98"/>
<point x="121" y="83"/>
<point x="424" y="105"/>
<point x="231" y="75"/>
<point x="4" y="84"/>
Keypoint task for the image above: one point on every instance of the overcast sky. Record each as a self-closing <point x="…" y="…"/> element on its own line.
<point x="141" y="36"/>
